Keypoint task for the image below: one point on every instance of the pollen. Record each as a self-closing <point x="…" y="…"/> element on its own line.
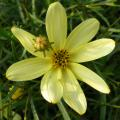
<point x="60" y="58"/>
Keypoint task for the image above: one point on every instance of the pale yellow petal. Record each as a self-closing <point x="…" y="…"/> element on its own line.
<point x="51" y="88"/>
<point x="89" y="77"/>
<point x="56" y="24"/>
<point x="93" y="50"/>
<point x="28" y="69"/>
<point x="73" y="94"/>
<point x="27" y="40"/>
<point x="83" y="33"/>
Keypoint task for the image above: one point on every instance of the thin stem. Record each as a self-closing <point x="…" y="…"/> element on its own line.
<point x="63" y="111"/>
<point x="35" y="115"/>
<point x="1" y="106"/>
<point x="21" y="12"/>
<point x="103" y="107"/>
<point x="33" y="8"/>
<point x="26" y="108"/>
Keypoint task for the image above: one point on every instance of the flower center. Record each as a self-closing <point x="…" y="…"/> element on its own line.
<point x="60" y="58"/>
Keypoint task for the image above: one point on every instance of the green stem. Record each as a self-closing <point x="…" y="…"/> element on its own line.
<point x="26" y="108"/>
<point x="63" y="111"/>
<point x="21" y="12"/>
<point x="33" y="8"/>
<point x="35" y="115"/>
<point x="1" y="106"/>
<point x="103" y="107"/>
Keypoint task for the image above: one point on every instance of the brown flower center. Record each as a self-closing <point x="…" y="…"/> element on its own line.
<point x="60" y="58"/>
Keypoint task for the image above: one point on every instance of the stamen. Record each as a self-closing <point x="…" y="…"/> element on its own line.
<point x="60" y="58"/>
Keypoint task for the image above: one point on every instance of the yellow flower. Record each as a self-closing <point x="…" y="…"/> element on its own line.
<point x="60" y="66"/>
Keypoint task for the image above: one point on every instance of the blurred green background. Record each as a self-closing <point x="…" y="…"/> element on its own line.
<point x="30" y="15"/>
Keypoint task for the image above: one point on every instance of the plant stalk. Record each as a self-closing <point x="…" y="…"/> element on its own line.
<point x="63" y="111"/>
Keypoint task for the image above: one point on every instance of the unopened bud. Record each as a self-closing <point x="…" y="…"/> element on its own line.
<point x="40" y="43"/>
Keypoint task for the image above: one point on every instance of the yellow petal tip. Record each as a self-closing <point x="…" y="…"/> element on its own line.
<point x="13" y="28"/>
<point x="95" y="21"/>
<point x="105" y="90"/>
<point x="112" y="43"/>
<point x="8" y="76"/>
<point x="108" y="91"/>
<point x="55" y="3"/>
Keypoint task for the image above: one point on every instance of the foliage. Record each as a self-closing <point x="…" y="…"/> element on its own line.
<point x="30" y="15"/>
